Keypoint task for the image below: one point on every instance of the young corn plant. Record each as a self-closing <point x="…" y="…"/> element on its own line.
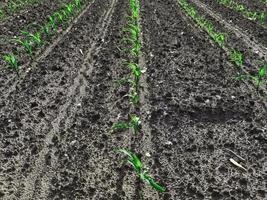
<point x="69" y="9"/>
<point x="219" y="38"/>
<point x="26" y="45"/>
<point x="135" y="124"/>
<point x="47" y="30"/>
<point x="35" y="38"/>
<point x="60" y="17"/>
<point x="12" y="62"/>
<point x="77" y="3"/>
<point x="258" y="79"/>
<point x="137" y="165"/>
<point x="52" y="23"/>
<point x="236" y="57"/>
<point x="1" y="14"/>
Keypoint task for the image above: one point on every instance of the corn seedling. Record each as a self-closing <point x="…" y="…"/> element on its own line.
<point x="1" y="14"/>
<point x="237" y="57"/>
<point x="77" y="3"/>
<point x="137" y="165"/>
<point x="59" y="17"/>
<point x="134" y="97"/>
<point x="52" y="22"/>
<point x="47" y="30"/>
<point x="135" y="124"/>
<point x="259" y="79"/>
<point x="136" y="71"/>
<point x="35" y="38"/>
<point x="12" y="62"/>
<point x="26" y="44"/>
<point x="124" y="81"/>
<point x="219" y="38"/>
<point x="69" y="8"/>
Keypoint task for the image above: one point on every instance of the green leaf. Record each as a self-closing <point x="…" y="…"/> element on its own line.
<point x="120" y="125"/>
<point x="262" y="71"/>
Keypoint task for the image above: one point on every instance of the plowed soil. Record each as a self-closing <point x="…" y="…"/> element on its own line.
<point x="55" y="138"/>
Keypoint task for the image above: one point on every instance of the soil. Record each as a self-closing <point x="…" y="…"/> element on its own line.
<point x="55" y="138"/>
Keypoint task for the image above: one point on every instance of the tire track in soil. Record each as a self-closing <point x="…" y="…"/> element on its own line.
<point x="74" y="96"/>
<point x="197" y="111"/>
<point x="93" y="162"/>
<point x="40" y="129"/>
<point x="257" y="48"/>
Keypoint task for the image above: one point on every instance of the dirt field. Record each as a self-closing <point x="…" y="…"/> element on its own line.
<point x="55" y="118"/>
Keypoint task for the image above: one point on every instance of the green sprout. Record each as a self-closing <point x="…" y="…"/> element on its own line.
<point x="135" y="124"/>
<point x="135" y="9"/>
<point x="259" y="79"/>
<point x="134" y="97"/>
<point x="77" y="3"/>
<point x="26" y="44"/>
<point x="69" y="8"/>
<point x="219" y="38"/>
<point x="261" y="75"/>
<point x="136" y="71"/>
<point x="12" y="62"/>
<point x="124" y="81"/>
<point x="1" y="13"/>
<point x="47" y="30"/>
<point x="36" y="38"/>
<point x="65" y="14"/>
<point x="236" y="57"/>
<point x="137" y="165"/>
<point x="59" y="16"/>
<point x="52" y="22"/>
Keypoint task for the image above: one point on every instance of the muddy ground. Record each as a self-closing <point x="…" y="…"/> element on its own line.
<point x="55" y="137"/>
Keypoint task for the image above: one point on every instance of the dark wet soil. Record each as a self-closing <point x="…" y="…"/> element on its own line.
<point x="55" y="138"/>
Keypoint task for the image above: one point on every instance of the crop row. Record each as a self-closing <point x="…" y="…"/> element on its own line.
<point x="235" y="56"/>
<point x="259" y="16"/>
<point x="29" y="42"/>
<point x="14" y="6"/>
<point x="132" y="42"/>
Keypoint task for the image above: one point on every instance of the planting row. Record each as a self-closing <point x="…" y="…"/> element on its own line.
<point x="257" y="16"/>
<point x="235" y="55"/>
<point x="11" y="7"/>
<point x="132" y="43"/>
<point x="29" y="43"/>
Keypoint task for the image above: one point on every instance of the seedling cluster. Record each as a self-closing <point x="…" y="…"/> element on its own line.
<point x="30" y="42"/>
<point x="235" y="56"/>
